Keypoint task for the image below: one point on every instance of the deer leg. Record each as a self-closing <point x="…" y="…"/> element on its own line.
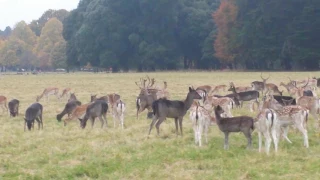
<point x="122" y="120"/>
<point x="226" y="140"/>
<point x="285" y="133"/>
<point x="114" y="120"/>
<point x="25" y="125"/>
<point x="267" y="142"/>
<point x="305" y="135"/>
<point x="194" y="126"/>
<point x="180" y="124"/>
<point x="101" y="120"/>
<point x="260" y="140"/>
<point x="249" y="138"/>
<point x="37" y="119"/>
<point x="275" y="137"/>
<point x="206" y="128"/>
<point x="176" y="123"/>
<point x="161" y="119"/>
<point x="92" y="121"/>
<point x="154" y="119"/>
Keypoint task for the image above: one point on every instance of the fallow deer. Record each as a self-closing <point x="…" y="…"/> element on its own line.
<point x="78" y="113"/>
<point x="47" y="92"/>
<point x="209" y="89"/>
<point x="118" y="111"/>
<point x="267" y="123"/>
<point x="312" y="104"/>
<point x="201" y="119"/>
<point x="97" y="109"/>
<point x="14" y="107"/>
<point x="72" y="97"/>
<point x="3" y="103"/>
<point x="34" y="112"/>
<point x="65" y="93"/>
<point x="273" y="88"/>
<point x="227" y="125"/>
<point x="289" y="115"/>
<point x="163" y="108"/>
<point x="251" y="96"/>
<point x="218" y="88"/>
<point x="260" y="85"/>
<point x="68" y="109"/>
<point x="225" y="103"/>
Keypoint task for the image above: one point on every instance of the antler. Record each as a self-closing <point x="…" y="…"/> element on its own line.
<point x="305" y="84"/>
<point x="264" y="79"/>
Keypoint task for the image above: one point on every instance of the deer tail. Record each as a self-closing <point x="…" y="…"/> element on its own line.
<point x="197" y="117"/>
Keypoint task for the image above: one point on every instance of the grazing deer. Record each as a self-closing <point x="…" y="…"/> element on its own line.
<point x="258" y="85"/>
<point x="72" y="97"/>
<point x="242" y="124"/>
<point x="96" y="109"/>
<point x="251" y="96"/>
<point x="3" y="103"/>
<point x="47" y="92"/>
<point x="14" y="107"/>
<point x="34" y="112"/>
<point x="79" y="112"/>
<point x="267" y="123"/>
<point x="163" y="108"/>
<point x="119" y="109"/>
<point x="65" y="93"/>
<point x="289" y="115"/>
<point x="201" y="120"/>
<point x="68" y="109"/>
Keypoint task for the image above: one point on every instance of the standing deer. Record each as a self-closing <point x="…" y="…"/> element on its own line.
<point x="209" y="89"/>
<point x="289" y="115"/>
<point x="227" y="125"/>
<point x="14" y="107"/>
<point x="118" y="111"/>
<point x="251" y="96"/>
<point x="219" y="88"/>
<point x="96" y="109"/>
<point x="72" y="97"/>
<point x="34" y="112"/>
<point x="312" y="104"/>
<point x="260" y="85"/>
<point x="47" y="92"/>
<point x="201" y="120"/>
<point x="267" y="123"/>
<point x="145" y="98"/>
<point x="3" y="103"/>
<point x="273" y="88"/>
<point x="163" y="108"/>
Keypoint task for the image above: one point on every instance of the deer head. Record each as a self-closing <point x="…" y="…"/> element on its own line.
<point x="264" y="80"/>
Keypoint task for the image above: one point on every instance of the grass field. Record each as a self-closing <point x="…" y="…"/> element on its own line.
<point x="59" y="152"/>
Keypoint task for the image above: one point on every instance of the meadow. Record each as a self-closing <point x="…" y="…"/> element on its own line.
<point x="59" y="152"/>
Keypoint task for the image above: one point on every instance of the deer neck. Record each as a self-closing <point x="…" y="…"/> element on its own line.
<point x="188" y="102"/>
<point x="218" y="117"/>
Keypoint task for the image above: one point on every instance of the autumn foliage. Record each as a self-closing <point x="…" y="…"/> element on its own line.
<point x="225" y="19"/>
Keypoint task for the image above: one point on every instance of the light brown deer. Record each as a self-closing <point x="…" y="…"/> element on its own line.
<point x="273" y="88"/>
<point x="312" y="104"/>
<point x="79" y="112"/>
<point x="207" y="88"/>
<point x="3" y="103"/>
<point x="289" y="115"/>
<point x="201" y="119"/>
<point x="219" y="88"/>
<point x="225" y="103"/>
<point x="47" y="92"/>
<point x="260" y="85"/>
<point x="65" y="93"/>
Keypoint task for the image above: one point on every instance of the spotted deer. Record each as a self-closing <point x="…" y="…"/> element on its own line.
<point x="225" y="103"/>
<point x="219" y="88"/>
<point x="201" y="119"/>
<point x="312" y="104"/>
<point x="48" y="92"/>
<point x="289" y="115"/>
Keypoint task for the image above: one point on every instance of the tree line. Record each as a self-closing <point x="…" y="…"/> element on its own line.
<point x="148" y="35"/>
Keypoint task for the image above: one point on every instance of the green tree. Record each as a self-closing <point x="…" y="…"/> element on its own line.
<point x="23" y="32"/>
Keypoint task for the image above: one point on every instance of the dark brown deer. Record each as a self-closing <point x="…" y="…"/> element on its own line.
<point x="251" y="96"/>
<point x="163" y="108"/>
<point x="34" y="112"/>
<point x="14" y="107"/>
<point x="96" y="109"/>
<point x="145" y="98"/>
<point x="68" y="109"/>
<point x="242" y="124"/>
<point x="260" y="85"/>
<point x="72" y="97"/>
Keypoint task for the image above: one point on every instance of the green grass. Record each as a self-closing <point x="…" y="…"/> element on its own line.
<point x="59" y="152"/>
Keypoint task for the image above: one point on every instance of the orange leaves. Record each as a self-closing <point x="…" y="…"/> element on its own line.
<point x="225" y="18"/>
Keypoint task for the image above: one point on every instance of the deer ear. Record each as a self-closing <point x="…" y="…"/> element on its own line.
<point x="190" y="89"/>
<point x="80" y="119"/>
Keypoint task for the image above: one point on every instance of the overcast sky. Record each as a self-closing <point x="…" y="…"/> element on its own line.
<point x="13" y="11"/>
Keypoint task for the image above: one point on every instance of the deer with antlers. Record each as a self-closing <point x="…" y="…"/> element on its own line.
<point x="146" y="97"/>
<point x="251" y="96"/>
<point x="260" y="85"/>
<point x="48" y="92"/>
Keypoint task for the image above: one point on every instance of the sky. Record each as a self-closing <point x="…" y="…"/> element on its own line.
<point x="13" y="11"/>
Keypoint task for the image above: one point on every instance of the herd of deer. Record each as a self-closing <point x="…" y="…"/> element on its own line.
<point x="275" y="111"/>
